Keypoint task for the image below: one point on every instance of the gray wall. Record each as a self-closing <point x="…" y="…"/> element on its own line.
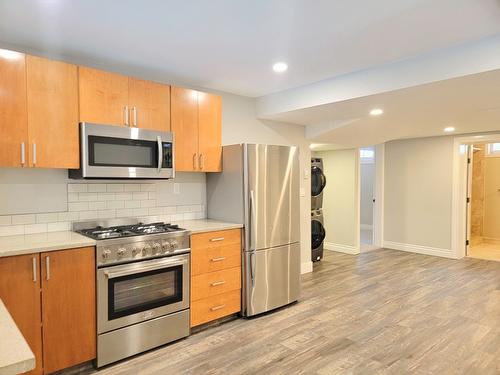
<point x="418" y="191"/>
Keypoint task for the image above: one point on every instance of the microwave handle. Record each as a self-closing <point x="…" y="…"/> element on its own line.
<point x="160" y="153"/>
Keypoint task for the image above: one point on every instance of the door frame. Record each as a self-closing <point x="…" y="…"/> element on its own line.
<point x="459" y="209"/>
<point x="378" y="195"/>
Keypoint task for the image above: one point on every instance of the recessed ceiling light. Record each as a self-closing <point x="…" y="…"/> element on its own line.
<point x="280" y="67"/>
<point x="449" y="129"/>
<point x="376" y="112"/>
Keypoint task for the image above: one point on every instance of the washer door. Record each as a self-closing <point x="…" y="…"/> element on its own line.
<point x="318" y="181"/>
<point x="317" y="234"/>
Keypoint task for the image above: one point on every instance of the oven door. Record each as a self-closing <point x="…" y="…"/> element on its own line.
<point x="122" y="152"/>
<point x="135" y="292"/>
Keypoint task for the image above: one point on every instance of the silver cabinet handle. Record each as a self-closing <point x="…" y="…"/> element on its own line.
<point x="215" y="308"/>
<point x="217" y="239"/>
<point x="220" y="259"/>
<point x="23" y="154"/>
<point x="34" y="270"/>
<point x="194" y="161"/>
<point x="201" y="162"/>
<point x="217" y="283"/>
<point x="47" y="267"/>
<point x="34" y="154"/>
<point x="125" y="115"/>
<point x="160" y="152"/>
<point x="134" y="116"/>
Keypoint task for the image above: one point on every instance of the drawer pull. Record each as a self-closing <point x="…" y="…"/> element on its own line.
<point x="217" y="239"/>
<point x="217" y="283"/>
<point x="215" y="308"/>
<point x="220" y="259"/>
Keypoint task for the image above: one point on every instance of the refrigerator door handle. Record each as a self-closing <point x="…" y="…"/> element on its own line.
<point x="252" y="268"/>
<point x="250" y="233"/>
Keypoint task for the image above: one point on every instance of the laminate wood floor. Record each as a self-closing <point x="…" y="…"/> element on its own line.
<point x="382" y="312"/>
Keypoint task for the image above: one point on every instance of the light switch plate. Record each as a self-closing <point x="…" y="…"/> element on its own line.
<point x="302" y="192"/>
<point x="306" y="173"/>
<point x="177" y="188"/>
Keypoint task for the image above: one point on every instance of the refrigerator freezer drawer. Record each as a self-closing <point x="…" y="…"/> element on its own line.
<point x="272" y="278"/>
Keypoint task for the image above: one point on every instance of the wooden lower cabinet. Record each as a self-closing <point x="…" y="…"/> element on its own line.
<point x="20" y="293"/>
<point x="215" y="275"/>
<point x="51" y="297"/>
<point x="68" y="307"/>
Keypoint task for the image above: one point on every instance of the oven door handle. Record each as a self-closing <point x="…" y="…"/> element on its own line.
<point x="156" y="265"/>
<point x="160" y="153"/>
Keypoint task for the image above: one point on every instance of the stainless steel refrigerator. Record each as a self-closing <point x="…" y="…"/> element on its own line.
<point x="259" y="187"/>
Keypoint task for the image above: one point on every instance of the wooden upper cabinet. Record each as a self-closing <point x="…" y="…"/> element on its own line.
<point x="52" y="91"/>
<point x="149" y="104"/>
<point x="210" y="132"/>
<point x="68" y="307"/>
<point x="103" y="97"/>
<point x="13" y="114"/>
<point x="20" y="292"/>
<point x="184" y="109"/>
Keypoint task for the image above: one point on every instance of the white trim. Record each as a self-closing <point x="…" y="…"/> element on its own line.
<point x="347" y="249"/>
<point x="306" y="267"/>
<point x="435" y="251"/>
<point x="366" y="227"/>
<point x="378" y="193"/>
<point x="459" y="193"/>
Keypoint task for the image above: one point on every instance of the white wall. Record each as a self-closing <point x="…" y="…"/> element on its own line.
<point x="239" y="124"/>
<point x="418" y="195"/>
<point x="341" y="199"/>
<point x="367" y="179"/>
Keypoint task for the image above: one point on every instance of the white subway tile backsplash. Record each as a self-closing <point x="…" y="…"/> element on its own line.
<point x="87" y="197"/>
<point x="23" y="219"/>
<point x="115" y="204"/>
<point x="148" y="187"/>
<point x="170" y="210"/>
<point x="132" y="187"/>
<point x="114" y="188"/>
<point x="140" y="211"/>
<point x="140" y="196"/>
<point x="132" y="204"/>
<point x="98" y="205"/>
<point x="78" y="206"/>
<point x="97" y="188"/>
<point x="152" y="195"/>
<point x="73" y="197"/>
<point x="35" y="228"/>
<point x="123" y="196"/>
<point x="183" y="209"/>
<point x="5" y="220"/>
<point x="11" y="230"/>
<point x="67" y="216"/>
<point x="88" y="215"/>
<point x="125" y="212"/>
<point x="77" y="188"/>
<point x="148" y="203"/>
<point x="155" y="211"/>
<point x="177" y="217"/>
<point x="189" y="216"/>
<point x="106" y="214"/>
<point x="58" y="227"/>
<point x="46" y="218"/>
<point x="106" y="197"/>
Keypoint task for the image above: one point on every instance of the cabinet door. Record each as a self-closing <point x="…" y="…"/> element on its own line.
<point x="52" y="89"/>
<point x="210" y="132"/>
<point x="13" y="113"/>
<point x="103" y="97"/>
<point x="149" y="104"/>
<point x="20" y="292"/>
<point x="68" y="307"/>
<point x="184" y="106"/>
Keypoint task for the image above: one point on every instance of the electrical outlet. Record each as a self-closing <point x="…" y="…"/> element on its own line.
<point x="177" y="188"/>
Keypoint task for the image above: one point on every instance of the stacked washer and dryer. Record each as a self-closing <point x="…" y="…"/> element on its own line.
<point x="318" y="183"/>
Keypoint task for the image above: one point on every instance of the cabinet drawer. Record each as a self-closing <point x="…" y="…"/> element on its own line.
<point x="215" y="239"/>
<point x="215" y="258"/>
<point x="214" y="283"/>
<point x="211" y="308"/>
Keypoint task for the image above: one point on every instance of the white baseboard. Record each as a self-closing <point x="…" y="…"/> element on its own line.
<point x="306" y="267"/>
<point x="341" y="248"/>
<point x="426" y="250"/>
<point x="366" y="226"/>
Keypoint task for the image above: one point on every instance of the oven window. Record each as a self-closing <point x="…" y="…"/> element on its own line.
<point x="120" y="152"/>
<point x="144" y="291"/>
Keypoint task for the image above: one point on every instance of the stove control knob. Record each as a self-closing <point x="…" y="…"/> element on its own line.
<point x="146" y="249"/>
<point x="121" y="251"/>
<point x="156" y="247"/>
<point x="166" y="246"/>
<point x="106" y="253"/>
<point x="173" y="245"/>
<point x="135" y="250"/>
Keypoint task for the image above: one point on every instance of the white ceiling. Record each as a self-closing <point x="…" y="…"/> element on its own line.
<point x="230" y="45"/>
<point x="470" y="104"/>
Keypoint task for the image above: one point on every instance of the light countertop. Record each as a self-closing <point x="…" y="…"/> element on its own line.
<point x="42" y="242"/>
<point x="16" y="356"/>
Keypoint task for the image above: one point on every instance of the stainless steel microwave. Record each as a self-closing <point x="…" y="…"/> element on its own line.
<point x="108" y="152"/>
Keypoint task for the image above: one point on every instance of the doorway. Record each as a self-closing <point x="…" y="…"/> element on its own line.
<point x="367" y="176"/>
<point x="483" y="198"/>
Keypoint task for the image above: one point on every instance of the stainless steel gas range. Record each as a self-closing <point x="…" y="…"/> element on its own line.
<point x="142" y="285"/>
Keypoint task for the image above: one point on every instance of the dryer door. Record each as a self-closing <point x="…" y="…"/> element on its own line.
<point x="317" y="234"/>
<point x="318" y="181"/>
